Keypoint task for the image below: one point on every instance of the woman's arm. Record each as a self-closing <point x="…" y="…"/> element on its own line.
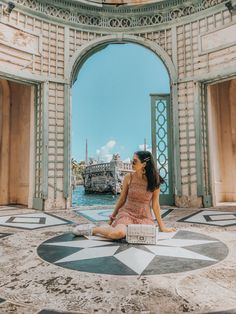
<point x="122" y="198"/>
<point x="157" y="211"/>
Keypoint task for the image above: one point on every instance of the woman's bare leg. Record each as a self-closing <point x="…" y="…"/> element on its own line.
<point x="110" y="232"/>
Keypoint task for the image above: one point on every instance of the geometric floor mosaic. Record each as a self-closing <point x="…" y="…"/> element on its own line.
<point x="103" y="214"/>
<point x="3" y="235"/>
<point x="211" y="217"/>
<point x="175" y="252"/>
<point x="32" y="221"/>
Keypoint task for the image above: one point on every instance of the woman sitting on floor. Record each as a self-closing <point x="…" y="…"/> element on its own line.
<point x="133" y="206"/>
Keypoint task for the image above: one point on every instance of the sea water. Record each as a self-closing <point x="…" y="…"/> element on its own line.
<point x="80" y="198"/>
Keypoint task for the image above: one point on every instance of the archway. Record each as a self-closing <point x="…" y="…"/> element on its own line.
<point x="82" y="55"/>
<point x="16" y="110"/>
<point x="93" y="46"/>
<point x="222" y="141"/>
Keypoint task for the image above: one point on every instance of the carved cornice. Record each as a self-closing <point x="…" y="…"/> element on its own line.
<point x="118" y="18"/>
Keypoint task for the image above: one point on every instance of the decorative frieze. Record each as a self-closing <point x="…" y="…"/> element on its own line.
<point x="217" y="39"/>
<point x="18" y="39"/>
<point x="119" y="17"/>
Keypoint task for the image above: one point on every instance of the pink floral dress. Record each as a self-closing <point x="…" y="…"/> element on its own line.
<point x="137" y="208"/>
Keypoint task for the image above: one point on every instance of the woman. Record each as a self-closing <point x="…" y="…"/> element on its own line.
<point x="139" y="189"/>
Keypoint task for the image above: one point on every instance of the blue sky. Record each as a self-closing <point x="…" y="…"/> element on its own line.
<point x="111" y="102"/>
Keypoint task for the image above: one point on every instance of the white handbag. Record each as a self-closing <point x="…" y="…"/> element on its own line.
<point x="142" y="234"/>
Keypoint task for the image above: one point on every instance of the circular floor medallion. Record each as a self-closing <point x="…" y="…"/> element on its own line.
<point x="175" y="252"/>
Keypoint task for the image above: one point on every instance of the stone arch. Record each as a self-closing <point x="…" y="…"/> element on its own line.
<point x="84" y="52"/>
<point x="97" y="44"/>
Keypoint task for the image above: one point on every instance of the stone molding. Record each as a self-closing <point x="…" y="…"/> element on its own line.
<point x="82" y="54"/>
<point x="121" y="17"/>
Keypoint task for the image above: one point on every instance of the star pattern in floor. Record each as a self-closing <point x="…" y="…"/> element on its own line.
<point x="174" y="252"/>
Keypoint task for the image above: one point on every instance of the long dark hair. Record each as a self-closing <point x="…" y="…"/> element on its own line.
<point x="153" y="177"/>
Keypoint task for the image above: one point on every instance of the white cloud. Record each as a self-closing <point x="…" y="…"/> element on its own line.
<point x="110" y="144"/>
<point x="103" y="153"/>
<point x="148" y="148"/>
<point x="127" y="160"/>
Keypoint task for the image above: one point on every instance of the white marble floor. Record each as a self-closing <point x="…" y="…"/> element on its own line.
<point x="49" y="270"/>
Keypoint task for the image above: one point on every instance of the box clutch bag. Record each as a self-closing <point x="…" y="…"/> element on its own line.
<point x="142" y="234"/>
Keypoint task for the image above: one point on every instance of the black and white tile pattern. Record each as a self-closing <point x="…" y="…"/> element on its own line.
<point x="175" y="252"/>
<point x="96" y="215"/>
<point x="211" y="217"/>
<point x="32" y="221"/>
<point x="3" y="235"/>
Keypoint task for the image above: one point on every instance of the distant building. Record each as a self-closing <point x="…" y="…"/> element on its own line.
<point x="77" y="169"/>
<point x="106" y="177"/>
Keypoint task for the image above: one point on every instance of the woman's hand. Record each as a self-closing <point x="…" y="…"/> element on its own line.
<point x="112" y="218"/>
<point x="164" y="229"/>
